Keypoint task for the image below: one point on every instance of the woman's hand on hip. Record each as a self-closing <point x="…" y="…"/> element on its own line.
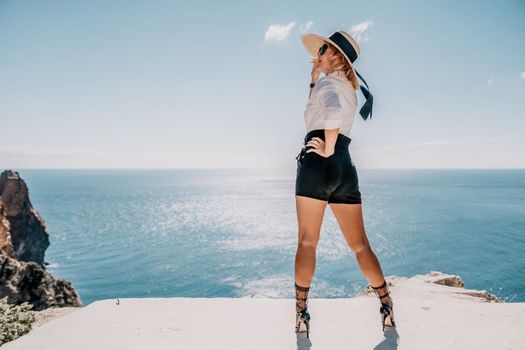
<point x="319" y="147"/>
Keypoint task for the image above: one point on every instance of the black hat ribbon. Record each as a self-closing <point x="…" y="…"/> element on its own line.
<point x="366" y="109"/>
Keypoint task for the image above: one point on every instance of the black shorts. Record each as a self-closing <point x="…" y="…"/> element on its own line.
<point x="333" y="179"/>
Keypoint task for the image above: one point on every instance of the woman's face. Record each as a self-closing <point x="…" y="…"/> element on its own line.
<point x="323" y="64"/>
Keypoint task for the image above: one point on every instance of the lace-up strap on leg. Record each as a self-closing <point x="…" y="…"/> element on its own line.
<point x="301" y="296"/>
<point x="382" y="292"/>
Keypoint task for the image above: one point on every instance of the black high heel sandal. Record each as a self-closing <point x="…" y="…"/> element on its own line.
<point x="302" y="316"/>
<point x="386" y="309"/>
<point x="302" y="322"/>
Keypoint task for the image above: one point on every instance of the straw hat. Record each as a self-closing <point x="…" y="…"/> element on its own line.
<point x="348" y="47"/>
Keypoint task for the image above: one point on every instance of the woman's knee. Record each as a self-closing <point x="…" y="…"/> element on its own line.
<point x="308" y="242"/>
<point x="359" y="246"/>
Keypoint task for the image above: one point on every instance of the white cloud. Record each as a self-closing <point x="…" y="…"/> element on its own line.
<point x="522" y="75"/>
<point x="489" y="82"/>
<point x="278" y="32"/>
<point x="305" y="26"/>
<point x="358" y="31"/>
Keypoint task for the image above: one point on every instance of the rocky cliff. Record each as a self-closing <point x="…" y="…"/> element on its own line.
<point x="29" y="237"/>
<point x="23" y="241"/>
<point x="6" y="246"/>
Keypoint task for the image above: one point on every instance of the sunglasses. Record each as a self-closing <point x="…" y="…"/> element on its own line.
<point x="323" y="49"/>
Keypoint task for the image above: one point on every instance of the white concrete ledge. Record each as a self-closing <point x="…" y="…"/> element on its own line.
<point x="428" y="316"/>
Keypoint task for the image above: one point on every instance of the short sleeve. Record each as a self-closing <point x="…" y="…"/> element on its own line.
<point x="331" y="105"/>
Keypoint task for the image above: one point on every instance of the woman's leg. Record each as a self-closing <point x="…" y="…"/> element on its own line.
<point x="310" y="213"/>
<point x="350" y="219"/>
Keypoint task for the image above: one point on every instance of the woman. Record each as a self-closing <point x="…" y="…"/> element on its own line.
<point x="326" y="173"/>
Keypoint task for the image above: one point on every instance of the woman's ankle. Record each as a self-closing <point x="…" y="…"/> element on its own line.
<point x="301" y="297"/>
<point x="383" y="293"/>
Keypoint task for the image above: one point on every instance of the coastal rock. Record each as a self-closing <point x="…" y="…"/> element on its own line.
<point x="437" y="277"/>
<point x="447" y="280"/>
<point x="29" y="237"/>
<point x="21" y="281"/>
<point x="457" y="284"/>
<point x="23" y="241"/>
<point x="5" y="236"/>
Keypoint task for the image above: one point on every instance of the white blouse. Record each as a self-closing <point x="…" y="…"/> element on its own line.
<point x="332" y="104"/>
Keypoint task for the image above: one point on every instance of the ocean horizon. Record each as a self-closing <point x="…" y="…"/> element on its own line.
<point x="118" y="233"/>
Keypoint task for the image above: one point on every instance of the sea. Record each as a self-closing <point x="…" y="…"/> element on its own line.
<point x="233" y="232"/>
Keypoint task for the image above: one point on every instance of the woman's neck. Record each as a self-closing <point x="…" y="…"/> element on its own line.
<point x="338" y="73"/>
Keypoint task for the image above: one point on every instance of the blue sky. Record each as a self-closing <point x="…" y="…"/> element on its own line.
<point x="207" y="84"/>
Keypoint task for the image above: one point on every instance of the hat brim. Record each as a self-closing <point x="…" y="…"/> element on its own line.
<point x="312" y="42"/>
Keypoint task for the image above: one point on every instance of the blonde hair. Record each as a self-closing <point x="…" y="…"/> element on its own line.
<point x="339" y="62"/>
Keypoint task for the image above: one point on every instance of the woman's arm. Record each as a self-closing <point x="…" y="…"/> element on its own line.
<point x="330" y="138"/>
<point x="314" y="74"/>
<point x="332" y="113"/>
<point x="328" y="144"/>
<point x="313" y="82"/>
